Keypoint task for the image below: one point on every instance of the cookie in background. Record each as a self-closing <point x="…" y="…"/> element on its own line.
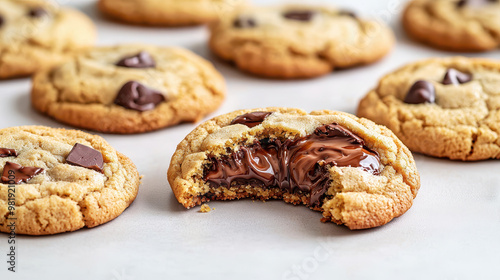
<point x="129" y="89"/>
<point x="37" y="34"/>
<point x="462" y="26"/>
<point x="442" y="107"/>
<point x="168" y="12"/>
<point x="293" y="42"/>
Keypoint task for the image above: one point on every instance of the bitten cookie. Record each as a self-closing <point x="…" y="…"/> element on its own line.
<point x="56" y="180"/>
<point x="447" y="107"/>
<point x="355" y="172"/>
<point x="36" y="35"/>
<point x="455" y="25"/>
<point x="129" y="89"/>
<point x="168" y="12"/>
<point x="298" y="41"/>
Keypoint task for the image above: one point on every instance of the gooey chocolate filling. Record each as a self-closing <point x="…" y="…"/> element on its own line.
<point x="293" y="165"/>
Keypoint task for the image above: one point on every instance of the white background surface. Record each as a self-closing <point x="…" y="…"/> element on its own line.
<point x="451" y="232"/>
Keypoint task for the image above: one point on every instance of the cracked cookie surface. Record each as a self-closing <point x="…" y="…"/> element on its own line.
<point x="454" y="25"/>
<point x="36" y="35"/>
<point x="353" y="196"/>
<point x="83" y="92"/>
<point x="298" y="41"/>
<point x="63" y="197"/>
<point x="462" y="124"/>
<point x="168" y="12"/>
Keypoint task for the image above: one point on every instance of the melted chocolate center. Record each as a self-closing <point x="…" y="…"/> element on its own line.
<point x="294" y="165"/>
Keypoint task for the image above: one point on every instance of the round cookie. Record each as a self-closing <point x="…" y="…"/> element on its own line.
<point x="35" y="35"/>
<point x="292" y="42"/>
<point x="447" y="107"/>
<point x="465" y="25"/>
<point x="355" y="172"/>
<point x="129" y="89"/>
<point x="56" y="180"/>
<point x="168" y="12"/>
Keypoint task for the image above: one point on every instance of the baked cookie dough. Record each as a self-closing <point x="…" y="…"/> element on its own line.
<point x="56" y="180"/>
<point x="168" y="12"/>
<point x="446" y="107"/>
<point x="36" y="35"/>
<point x="454" y="25"/>
<point x="355" y="172"/>
<point x="291" y="42"/>
<point x="129" y="89"/>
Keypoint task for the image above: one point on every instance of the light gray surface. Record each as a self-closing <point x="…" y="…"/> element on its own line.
<point x="452" y="231"/>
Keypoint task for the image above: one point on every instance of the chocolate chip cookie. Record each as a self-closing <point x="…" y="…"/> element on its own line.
<point x="129" y="89"/>
<point x="56" y="180"/>
<point x="168" y="12"/>
<point x="455" y="25"/>
<point x="35" y="35"/>
<point x="448" y="107"/>
<point x="298" y="41"/>
<point x="355" y="172"/>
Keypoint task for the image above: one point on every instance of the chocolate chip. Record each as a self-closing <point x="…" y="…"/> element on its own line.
<point x="14" y="173"/>
<point x="463" y="3"/>
<point x="244" y="22"/>
<point x="347" y="13"/>
<point x="2" y="20"/>
<point x="421" y="92"/>
<point x="4" y="152"/>
<point x="305" y="15"/>
<point x="455" y="77"/>
<point x="37" y="12"/>
<point x="251" y="119"/>
<point x="140" y="60"/>
<point x="136" y="96"/>
<point x="85" y="156"/>
<point x="332" y="130"/>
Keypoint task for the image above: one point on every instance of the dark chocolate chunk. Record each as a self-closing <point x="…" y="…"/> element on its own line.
<point x="348" y="13"/>
<point x="85" y="156"/>
<point x="140" y="60"/>
<point x="2" y="20"/>
<point x="455" y="77"/>
<point x="251" y="119"/>
<point x="37" y="12"/>
<point x="305" y="15"/>
<point x="463" y="3"/>
<point x="294" y="165"/>
<point x="4" y="152"/>
<point x="244" y="22"/>
<point x="14" y="173"/>
<point x="136" y="96"/>
<point x="421" y="92"/>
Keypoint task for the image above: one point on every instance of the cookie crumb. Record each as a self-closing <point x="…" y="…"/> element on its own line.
<point x="205" y="208"/>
